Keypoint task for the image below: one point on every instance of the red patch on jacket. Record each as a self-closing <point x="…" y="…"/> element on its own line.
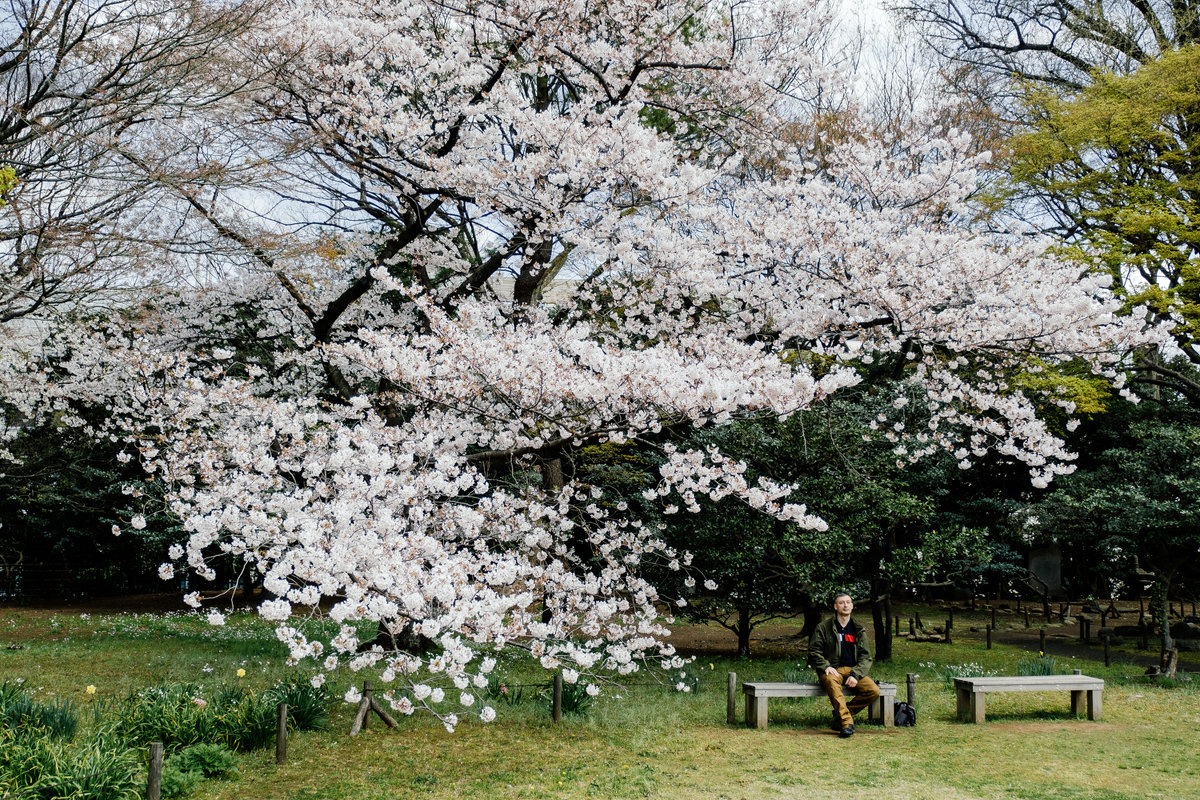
<point x="849" y="637"/>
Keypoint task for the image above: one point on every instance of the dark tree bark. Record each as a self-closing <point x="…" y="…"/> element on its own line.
<point x="881" y="615"/>
<point x="744" y="627"/>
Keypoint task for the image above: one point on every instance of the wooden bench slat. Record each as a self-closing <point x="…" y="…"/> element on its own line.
<point x="1033" y="683"/>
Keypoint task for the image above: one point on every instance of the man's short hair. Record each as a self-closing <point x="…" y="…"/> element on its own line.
<point x="843" y="594"/>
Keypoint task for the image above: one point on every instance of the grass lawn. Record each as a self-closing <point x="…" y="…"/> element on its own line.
<point x="647" y="740"/>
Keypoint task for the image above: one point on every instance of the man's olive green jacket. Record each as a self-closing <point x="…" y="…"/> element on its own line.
<point x="824" y="650"/>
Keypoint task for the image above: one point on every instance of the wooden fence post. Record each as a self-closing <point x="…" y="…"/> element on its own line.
<point x="912" y="689"/>
<point x="556" y="700"/>
<point x="949" y="625"/>
<point x="731" y="699"/>
<point x="1042" y="641"/>
<point x="154" y="778"/>
<point x="1026" y="616"/>
<point x="989" y="636"/>
<point x="281" y="733"/>
<point x="365" y="706"/>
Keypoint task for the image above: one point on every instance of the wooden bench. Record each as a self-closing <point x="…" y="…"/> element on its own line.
<point x="881" y="711"/>
<point x="972" y="692"/>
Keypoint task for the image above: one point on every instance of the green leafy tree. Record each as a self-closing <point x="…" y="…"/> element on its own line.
<point x="764" y="569"/>
<point x="1117" y="167"/>
<point x="59" y="505"/>
<point x="1105" y="98"/>
<point x="1136" y="494"/>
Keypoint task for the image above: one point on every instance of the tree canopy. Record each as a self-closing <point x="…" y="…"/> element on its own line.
<point x="448" y="247"/>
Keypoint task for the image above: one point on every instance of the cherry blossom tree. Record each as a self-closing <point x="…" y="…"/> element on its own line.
<point x="475" y="237"/>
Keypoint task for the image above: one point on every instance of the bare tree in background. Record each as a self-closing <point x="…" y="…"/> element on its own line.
<point x="95" y="98"/>
<point x="1054" y="42"/>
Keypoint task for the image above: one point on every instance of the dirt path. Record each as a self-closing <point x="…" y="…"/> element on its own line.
<point x="778" y="640"/>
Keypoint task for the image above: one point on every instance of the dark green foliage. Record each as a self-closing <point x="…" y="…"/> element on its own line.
<point x="206" y="759"/>
<point x="503" y="690"/>
<point x="308" y="705"/>
<point x="20" y="713"/>
<point x="1041" y="664"/>
<point x="177" y="783"/>
<point x="764" y="568"/>
<point x="575" y="699"/>
<point x="179" y="715"/>
<point x="58" y="505"/>
<point x="42" y="768"/>
<point x="1136" y="493"/>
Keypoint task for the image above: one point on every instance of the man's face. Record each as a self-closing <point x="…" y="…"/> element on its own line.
<point x="843" y="606"/>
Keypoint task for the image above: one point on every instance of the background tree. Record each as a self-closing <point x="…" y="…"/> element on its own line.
<point x="1134" y="501"/>
<point x="1114" y="167"/>
<point x="95" y="99"/>
<point x="1103" y="97"/>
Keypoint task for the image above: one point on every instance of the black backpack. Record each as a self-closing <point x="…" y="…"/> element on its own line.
<point x="905" y="715"/>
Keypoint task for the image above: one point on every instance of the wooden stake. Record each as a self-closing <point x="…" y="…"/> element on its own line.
<point x="281" y="733"/>
<point x="365" y="707"/>
<point x="154" y="778"/>
<point x="912" y="689"/>
<point x="989" y="637"/>
<point x="556" y="703"/>
<point x="731" y="700"/>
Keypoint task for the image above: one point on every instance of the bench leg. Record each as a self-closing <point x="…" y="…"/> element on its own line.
<point x="960" y="706"/>
<point x="978" y="699"/>
<point x="756" y="712"/>
<point x="1093" y="704"/>
<point x="1077" y="702"/>
<point x="889" y="711"/>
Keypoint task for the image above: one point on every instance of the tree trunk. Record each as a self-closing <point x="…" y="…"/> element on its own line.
<point x="1162" y="614"/>
<point x="743" y="632"/>
<point x="881" y="614"/>
<point x="812" y="616"/>
<point x="406" y="640"/>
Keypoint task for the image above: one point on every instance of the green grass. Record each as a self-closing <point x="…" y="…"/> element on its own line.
<point x="648" y="741"/>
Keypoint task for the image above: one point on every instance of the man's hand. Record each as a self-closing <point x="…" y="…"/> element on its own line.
<point x="831" y="671"/>
<point x="851" y="682"/>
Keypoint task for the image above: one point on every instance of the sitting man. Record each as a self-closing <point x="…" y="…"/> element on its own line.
<point x="838" y="652"/>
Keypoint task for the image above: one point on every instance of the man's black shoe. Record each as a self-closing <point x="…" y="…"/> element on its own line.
<point x="847" y="732"/>
<point x="836" y="724"/>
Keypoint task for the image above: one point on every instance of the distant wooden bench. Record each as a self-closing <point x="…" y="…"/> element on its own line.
<point x="972" y="692"/>
<point x="882" y="710"/>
